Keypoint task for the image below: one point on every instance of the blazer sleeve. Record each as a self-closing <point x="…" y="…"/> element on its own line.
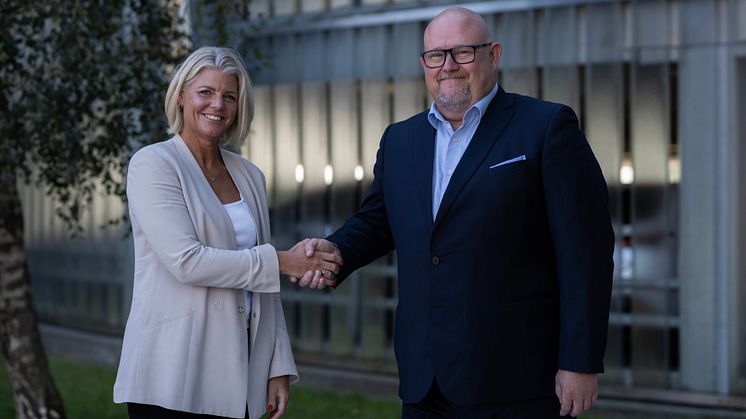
<point x="282" y="358"/>
<point x="578" y="212"/>
<point x="158" y="207"/>
<point x="366" y="235"/>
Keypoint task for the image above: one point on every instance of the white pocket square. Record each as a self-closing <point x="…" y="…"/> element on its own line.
<point x="513" y="160"/>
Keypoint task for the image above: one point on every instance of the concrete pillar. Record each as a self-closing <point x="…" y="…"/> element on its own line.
<point x="709" y="189"/>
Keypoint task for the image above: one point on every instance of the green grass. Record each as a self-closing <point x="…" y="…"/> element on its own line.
<point x="311" y="404"/>
<point x="87" y="392"/>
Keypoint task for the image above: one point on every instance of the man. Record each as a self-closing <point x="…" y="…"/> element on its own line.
<point x="498" y="212"/>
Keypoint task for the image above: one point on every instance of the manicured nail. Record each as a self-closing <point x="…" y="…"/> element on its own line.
<point x="269" y="408"/>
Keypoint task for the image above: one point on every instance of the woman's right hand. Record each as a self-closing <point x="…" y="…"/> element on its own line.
<point x="295" y="263"/>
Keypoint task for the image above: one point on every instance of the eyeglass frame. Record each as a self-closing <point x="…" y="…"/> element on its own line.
<point x="450" y="52"/>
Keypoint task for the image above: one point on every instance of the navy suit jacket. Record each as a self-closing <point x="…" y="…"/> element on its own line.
<point x="512" y="280"/>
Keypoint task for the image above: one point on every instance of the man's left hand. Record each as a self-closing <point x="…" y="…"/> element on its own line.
<point x="576" y="391"/>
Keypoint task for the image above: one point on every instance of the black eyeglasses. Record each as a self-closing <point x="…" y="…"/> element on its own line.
<point x="462" y="54"/>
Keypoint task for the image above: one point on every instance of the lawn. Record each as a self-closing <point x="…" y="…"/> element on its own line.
<point x="87" y="392"/>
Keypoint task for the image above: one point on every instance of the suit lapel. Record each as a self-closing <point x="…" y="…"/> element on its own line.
<point x="493" y="122"/>
<point x="423" y="154"/>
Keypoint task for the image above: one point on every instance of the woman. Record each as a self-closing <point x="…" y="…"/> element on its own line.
<point x="206" y="334"/>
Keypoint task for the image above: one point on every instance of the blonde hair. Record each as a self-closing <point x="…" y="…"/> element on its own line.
<point x="228" y="61"/>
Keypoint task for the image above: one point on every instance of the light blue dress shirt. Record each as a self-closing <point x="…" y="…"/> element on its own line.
<point x="450" y="145"/>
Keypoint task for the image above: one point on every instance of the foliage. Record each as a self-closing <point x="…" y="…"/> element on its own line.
<point x="86" y="390"/>
<point x="81" y="86"/>
<point x="231" y="23"/>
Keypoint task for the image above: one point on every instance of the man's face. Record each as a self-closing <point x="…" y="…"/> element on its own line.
<point x="456" y="87"/>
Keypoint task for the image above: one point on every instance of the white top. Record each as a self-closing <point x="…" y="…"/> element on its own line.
<point x="246" y="234"/>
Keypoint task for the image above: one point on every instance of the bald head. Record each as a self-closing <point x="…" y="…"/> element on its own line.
<point x="461" y="20"/>
<point x="461" y="40"/>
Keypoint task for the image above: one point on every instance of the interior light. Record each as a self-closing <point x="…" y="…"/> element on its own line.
<point x="299" y="173"/>
<point x="328" y="175"/>
<point x="626" y="172"/>
<point x="359" y="173"/>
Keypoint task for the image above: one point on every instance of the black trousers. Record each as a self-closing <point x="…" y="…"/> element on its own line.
<point x="436" y="406"/>
<point x="149" y="411"/>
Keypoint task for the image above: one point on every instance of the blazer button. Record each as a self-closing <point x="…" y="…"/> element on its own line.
<point x="436" y="260"/>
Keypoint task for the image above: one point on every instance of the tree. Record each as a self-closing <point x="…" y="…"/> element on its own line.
<point x="81" y="86"/>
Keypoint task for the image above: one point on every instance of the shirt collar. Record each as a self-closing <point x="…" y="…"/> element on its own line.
<point x="478" y="109"/>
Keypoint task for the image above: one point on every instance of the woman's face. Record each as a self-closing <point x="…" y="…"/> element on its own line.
<point x="209" y="104"/>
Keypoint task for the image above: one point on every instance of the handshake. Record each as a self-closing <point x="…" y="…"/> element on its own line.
<point x="311" y="262"/>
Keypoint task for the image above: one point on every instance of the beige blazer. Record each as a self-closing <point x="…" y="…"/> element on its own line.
<point x="185" y="345"/>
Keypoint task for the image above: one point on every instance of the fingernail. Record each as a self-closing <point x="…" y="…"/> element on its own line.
<point x="269" y="408"/>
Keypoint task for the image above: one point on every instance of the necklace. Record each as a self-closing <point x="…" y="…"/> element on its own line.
<point x="211" y="178"/>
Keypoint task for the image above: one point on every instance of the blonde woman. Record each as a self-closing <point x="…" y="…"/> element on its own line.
<point x="206" y="333"/>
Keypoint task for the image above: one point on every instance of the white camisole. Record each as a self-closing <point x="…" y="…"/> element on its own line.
<point x="246" y="234"/>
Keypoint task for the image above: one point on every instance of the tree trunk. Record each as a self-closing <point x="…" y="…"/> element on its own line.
<point x="34" y="391"/>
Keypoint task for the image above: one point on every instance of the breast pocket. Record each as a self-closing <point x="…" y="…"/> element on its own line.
<point x="503" y="194"/>
<point x="509" y="179"/>
<point x="508" y="169"/>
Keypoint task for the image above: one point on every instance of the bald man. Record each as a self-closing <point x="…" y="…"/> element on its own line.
<point x="498" y="212"/>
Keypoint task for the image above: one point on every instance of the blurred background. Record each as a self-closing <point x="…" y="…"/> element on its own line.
<point x="658" y="85"/>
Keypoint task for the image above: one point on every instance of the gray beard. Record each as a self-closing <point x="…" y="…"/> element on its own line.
<point x="456" y="103"/>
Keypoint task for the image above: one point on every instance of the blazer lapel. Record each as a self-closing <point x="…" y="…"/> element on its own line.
<point x="190" y="164"/>
<point x="423" y="154"/>
<point x="493" y="122"/>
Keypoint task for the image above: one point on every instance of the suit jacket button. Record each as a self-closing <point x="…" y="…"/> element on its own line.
<point x="436" y="260"/>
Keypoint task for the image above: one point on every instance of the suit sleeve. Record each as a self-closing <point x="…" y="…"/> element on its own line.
<point x="159" y="212"/>
<point x="577" y="208"/>
<point x="282" y="358"/>
<point x="366" y="235"/>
